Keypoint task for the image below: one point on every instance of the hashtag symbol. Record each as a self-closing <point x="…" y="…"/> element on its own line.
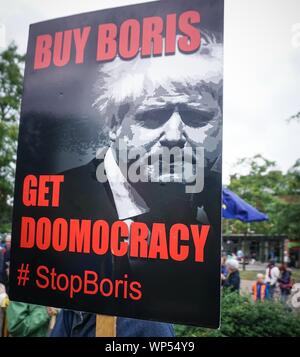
<point x="23" y="275"/>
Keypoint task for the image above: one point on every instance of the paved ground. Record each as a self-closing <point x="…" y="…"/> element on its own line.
<point x="246" y="286"/>
<point x="259" y="267"/>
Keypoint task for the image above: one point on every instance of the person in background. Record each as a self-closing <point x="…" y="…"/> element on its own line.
<point x="4" y="275"/>
<point x="259" y="289"/>
<point x="272" y="276"/>
<point x="285" y="282"/>
<point x="5" y="261"/>
<point x="4" y="301"/>
<point x="2" y="265"/>
<point x="27" y="320"/>
<point x="224" y="271"/>
<point x="286" y="258"/>
<point x="233" y="255"/>
<point x="232" y="281"/>
<point x="240" y="255"/>
<point x="253" y="258"/>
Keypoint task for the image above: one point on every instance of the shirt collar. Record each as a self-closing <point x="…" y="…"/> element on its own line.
<point x="127" y="201"/>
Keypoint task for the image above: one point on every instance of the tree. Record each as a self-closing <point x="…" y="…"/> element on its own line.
<point x="287" y="208"/>
<point x="272" y="192"/>
<point x="11" y="83"/>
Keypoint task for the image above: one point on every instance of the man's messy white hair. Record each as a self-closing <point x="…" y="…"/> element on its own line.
<point x="119" y="82"/>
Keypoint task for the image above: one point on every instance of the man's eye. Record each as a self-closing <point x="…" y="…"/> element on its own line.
<point x="153" y="119"/>
<point x="195" y="118"/>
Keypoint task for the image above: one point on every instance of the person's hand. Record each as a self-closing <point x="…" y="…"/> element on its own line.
<point x="7" y="268"/>
<point x="52" y="311"/>
<point x="223" y="277"/>
<point x="2" y="289"/>
<point x="4" y="300"/>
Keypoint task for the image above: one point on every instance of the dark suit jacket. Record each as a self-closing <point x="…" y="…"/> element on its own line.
<point x="164" y="283"/>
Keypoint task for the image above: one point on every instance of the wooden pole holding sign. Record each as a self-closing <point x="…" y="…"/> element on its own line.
<point x="106" y="326"/>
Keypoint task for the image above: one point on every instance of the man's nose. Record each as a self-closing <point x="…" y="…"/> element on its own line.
<point x="173" y="135"/>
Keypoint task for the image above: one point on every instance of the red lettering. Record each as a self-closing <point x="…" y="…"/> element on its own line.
<point x="129" y="38"/>
<point x="139" y="234"/>
<point x="158" y="246"/>
<point x="135" y="293"/>
<point x="110" y="287"/>
<point x="100" y="242"/>
<point x="29" y="191"/>
<point x="119" y="229"/>
<point x="199" y="240"/>
<point x="107" y="45"/>
<point x="152" y="36"/>
<point x="60" y="234"/>
<point x="56" y="181"/>
<point x="62" y="48"/>
<point x="41" y="275"/>
<point x="53" y="276"/>
<point x="90" y="281"/>
<point x="122" y="283"/>
<point x="80" y="42"/>
<point x="80" y="236"/>
<point x="177" y="252"/>
<point x="27" y="232"/>
<point x="35" y="191"/>
<point x="42" y="57"/>
<point x="191" y="42"/>
<point x="43" y="191"/>
<point x="43" y="233"/>
<point x="73" y="290"/>
<point x="170" y="41"/>
<point x="66" y="282"/>
<point x="125" y="40"/>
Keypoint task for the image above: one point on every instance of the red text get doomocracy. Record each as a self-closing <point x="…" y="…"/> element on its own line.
<point x="178" y="242"/>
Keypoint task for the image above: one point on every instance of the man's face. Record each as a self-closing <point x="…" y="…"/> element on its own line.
<point x="176" y="120"/>
<point x="260" y="280"/>
<point x="177" y="114"/>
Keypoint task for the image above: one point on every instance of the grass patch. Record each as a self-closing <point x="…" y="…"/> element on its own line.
<point x="249" y="275"/>
<point x="296" y="275"/>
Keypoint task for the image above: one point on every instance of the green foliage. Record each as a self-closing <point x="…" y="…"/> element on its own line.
<point x="11" y="80"/>
<point x="272" y="192"/>
<point x="243" y="318"/>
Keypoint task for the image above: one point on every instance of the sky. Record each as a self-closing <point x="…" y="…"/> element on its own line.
<point x="261" y="69"/>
